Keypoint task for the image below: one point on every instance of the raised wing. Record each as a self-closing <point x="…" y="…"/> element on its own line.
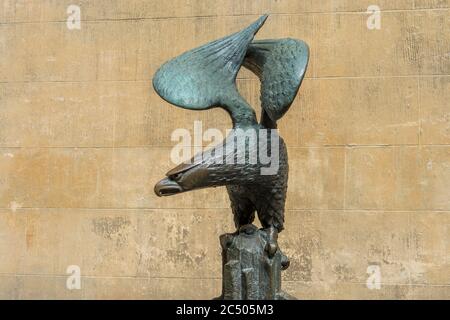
<point x="205" y="76"/>
<point x="281" y="65"/>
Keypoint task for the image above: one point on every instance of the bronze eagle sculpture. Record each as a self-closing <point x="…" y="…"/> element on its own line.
<point x="205" y="77"/>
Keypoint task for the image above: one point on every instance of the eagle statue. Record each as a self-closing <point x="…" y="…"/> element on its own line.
<point x="205" y="77"/>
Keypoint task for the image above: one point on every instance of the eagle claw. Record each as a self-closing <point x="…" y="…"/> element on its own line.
<point x="272" y="245"/>
<point x="271" y="249"/>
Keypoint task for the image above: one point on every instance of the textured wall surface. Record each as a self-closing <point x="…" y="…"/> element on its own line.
<point x="83" y="139"/>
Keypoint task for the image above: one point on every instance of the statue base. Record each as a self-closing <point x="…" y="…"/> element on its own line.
<point x="248" y="272"/>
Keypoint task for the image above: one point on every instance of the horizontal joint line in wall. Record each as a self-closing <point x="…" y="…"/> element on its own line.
<point x="47" y="275"/>
<point x="212" y="278"/>
<point x="337" y="146"/>
<point x="238" y="79"/>
<point x="226" y="15"/>
<point x="374" y="210"/>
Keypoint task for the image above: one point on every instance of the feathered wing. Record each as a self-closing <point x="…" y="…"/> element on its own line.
<point x="281" y="65"/>
<point x="205" y="77"/>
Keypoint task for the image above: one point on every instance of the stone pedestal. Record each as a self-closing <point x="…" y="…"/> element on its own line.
<point x="248" y="272"/>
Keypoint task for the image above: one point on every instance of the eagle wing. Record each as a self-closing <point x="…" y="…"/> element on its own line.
<point x="281" y="65"/>
<point x="205" y="77"/>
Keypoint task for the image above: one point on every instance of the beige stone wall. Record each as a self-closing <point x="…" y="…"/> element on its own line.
<point x="83" y="139"/>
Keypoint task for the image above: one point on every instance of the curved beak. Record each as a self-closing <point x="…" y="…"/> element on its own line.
<point x="167" y="187"/>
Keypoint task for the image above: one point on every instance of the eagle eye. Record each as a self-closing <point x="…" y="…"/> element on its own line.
<point x="176" y="176"/>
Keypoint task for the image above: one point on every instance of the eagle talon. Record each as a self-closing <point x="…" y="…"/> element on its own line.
<point x="272" y="241"/>
<point x="284" y="262"/>
<point x="271" y="249"/>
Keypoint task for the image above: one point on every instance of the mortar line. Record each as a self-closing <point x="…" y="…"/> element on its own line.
<point x="207" y="278"/>
<point x="349" y="12"/>
<point x="369" y="210"/>
<point x="337" y="146"/>
<point x="46" y="275"/>
<point x="365" y="77"/>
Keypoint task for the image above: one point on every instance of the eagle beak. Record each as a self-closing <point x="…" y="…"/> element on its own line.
<point x="167" y="187"/>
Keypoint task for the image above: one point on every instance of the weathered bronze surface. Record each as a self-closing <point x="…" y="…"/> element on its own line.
<point x="205" y="77"/>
